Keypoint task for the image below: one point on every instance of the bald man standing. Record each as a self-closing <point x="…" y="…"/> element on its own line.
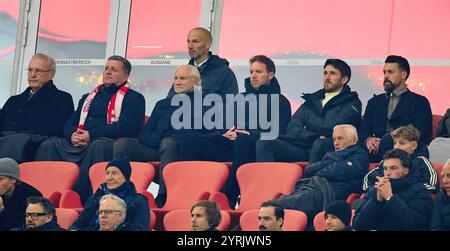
<point x="216" y="75"/>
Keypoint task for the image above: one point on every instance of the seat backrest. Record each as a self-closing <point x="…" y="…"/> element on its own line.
<point x="49" y="176"/>
<point x="180" y="220"/>
<point x="319" y="221"/>
<point x="187" y="181"/>
<point x="435" y="122"/>
<point x="262" y="181"/>
<point x="373" y="166"/>
<point x="141" y="175"/>
<point x="66" y="217"/>
<point x="294" y="220"/>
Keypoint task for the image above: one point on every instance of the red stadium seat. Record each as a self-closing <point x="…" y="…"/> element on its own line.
<point x="260" y="182"/>
<point x="66" y="217"/>
<point x="51" y="178"/>
<point x="293" y="220"/>
<point x="190" y="181"/>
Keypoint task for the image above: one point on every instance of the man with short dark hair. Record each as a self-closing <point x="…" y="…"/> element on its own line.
<point x="398" y="106"/>
<point x="110" y="111"/>
<point x="270" y="217"/>
<point x="217" y="76"/>
<point x="398" y="201"/>
<point x="205" y="216"/>
<point x="13" y="195"/>
<point x="308" y="134"/>
<point x="37" y="113"/>
<point x="40" y="215"/>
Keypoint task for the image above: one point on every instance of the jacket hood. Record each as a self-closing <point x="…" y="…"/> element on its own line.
<point x="272" y="88"/>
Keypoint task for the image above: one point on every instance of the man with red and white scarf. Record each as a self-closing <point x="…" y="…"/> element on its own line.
<point x="110" y="111"/>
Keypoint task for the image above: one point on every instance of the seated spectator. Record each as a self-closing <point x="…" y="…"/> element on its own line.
<point x="440" y="220"/>
<point x="205" y="216"/>
<point x="37" y="113"/>
<point x="398" y="201"/>
<point x="112" y="214"/>
<point x="270" y="217"/>
<point x="339" y="174"/>
<point x="13" y="195"/>
<point x="338" y="216"/>
<point x="407" y="138"/>
<point x="440" y="146"/>
<point x="40" y="215"/>
<point x="117" y="174"/>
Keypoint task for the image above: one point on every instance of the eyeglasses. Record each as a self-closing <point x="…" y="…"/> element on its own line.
<point x="37" y="71"/>
<point x="107" y="212"/>
<point x="34" y="215"/>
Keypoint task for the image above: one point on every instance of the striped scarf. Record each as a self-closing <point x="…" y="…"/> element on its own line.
<point x="114" y="106"/>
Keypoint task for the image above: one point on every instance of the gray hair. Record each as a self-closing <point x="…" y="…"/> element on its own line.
<point x="50" y="61"/>
<point x="194" y="73"/>
<point x="120" y="202"/>
<point x="350" y="129"/>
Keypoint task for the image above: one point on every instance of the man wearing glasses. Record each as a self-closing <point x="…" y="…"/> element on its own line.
<point x="37" y="113"/>
<point x="111" y="214"/>
<point x="40" y="215"/>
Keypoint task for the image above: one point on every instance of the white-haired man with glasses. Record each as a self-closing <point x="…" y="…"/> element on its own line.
<point x="111" y="214"/>
<point x="37" y="113"/>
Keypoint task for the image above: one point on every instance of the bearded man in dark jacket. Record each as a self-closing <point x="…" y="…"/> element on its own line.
<point x="308" y="134"/>
<point x="40" y="216"/>
<point x="398" y="201"/>
<point x="217" y="77"/>
<point x="37" y="113"/>
<point x="397" y="107"/>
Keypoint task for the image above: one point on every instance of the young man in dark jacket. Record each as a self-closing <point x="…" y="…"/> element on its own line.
<point x="440" y="220"/>
<point x="117" y="173"/>
<point x="13" y="195"/>
<point x="308" y="134"/>
<point x="338" y="216"/>
<point x="238" y="143"/>
<point x="407" y="138"/>
<point x="37" y="113"/>
<point x="217" y="76"/>
<point x="398" y="201"/>
<point x="40" y="216"/>
<point x="397" y="107"/>
<point x="112" y="110"/>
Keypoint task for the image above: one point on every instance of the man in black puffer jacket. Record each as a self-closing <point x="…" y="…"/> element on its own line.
<point x="312" y="124"/>
<point x="398" y="201"/>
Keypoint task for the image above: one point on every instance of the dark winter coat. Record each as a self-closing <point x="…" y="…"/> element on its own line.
<point x="409" y="208"/>
<point x="312" y="120"/>
<point x="344" y="170"/>
<point x="412" y="109"/>
<point x="13" y="214"/>
<point x="440" y="220"/>
<point x="47" y="227"/>
<point x="130" y="121"/>
<point x="44" y="114"/>
<point x="217" y="77"/>
<point x="138" y="211"/>
<point x="420" y="166"/>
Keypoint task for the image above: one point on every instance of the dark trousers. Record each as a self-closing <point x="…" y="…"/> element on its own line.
<point x="279" y="150"/>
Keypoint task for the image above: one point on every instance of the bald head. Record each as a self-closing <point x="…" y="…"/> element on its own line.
<point x="199" y="42"/>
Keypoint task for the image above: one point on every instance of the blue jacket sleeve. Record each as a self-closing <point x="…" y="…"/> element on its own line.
<point x="141" y="217"/>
